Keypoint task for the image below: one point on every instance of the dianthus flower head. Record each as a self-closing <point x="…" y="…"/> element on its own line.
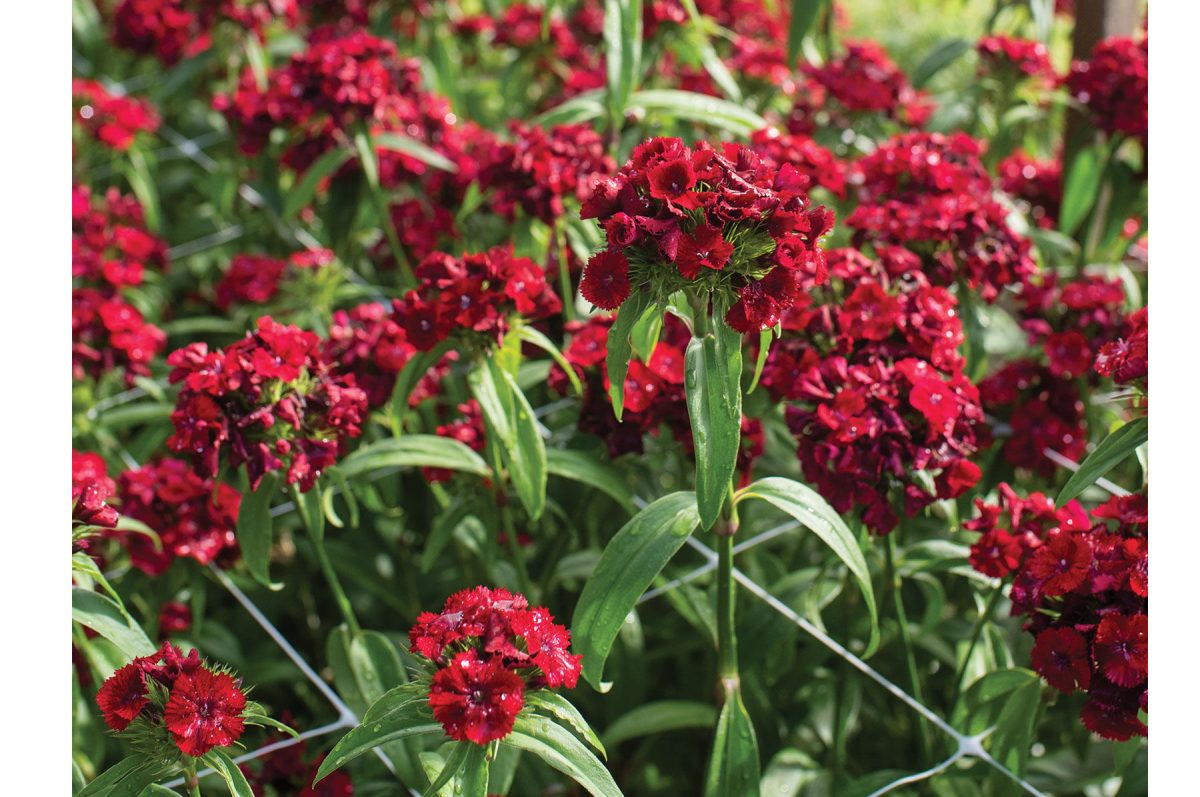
<point x="476" y="699"/>
<point x="114" y="121"/>
<point x="717" y="221"/>
<point x="205" y="711"/>
<point x="91" y="488"/>
<point x="1006" y="56"/>
<point x="864" y="79"/>
<point x="1114" y="85"/>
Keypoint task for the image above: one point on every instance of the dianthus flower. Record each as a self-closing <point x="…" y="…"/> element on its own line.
<point x="475" y="293"/>
<point x="112" y="120"/>
<point x="865" y="79"/>
<point x="1006" y="55"/>
<point x="174" y="618"/>
<point x="256" y="279"/>
<point x="1114" y="85"/>
<point x="489" y="647"/>
<point x="91" y="488"/>
<point x="110" y="251"/>
<point x="200" y="706"/>
<point x="1081" y="584"/>
<point x="165" y="29"/>
<point x="1071" y="321"/>
<point x="930" y="193"/>
<point x="269" y="399"/>
<point x="1043" y="411"/>
<point x="1036" y="184"/>
<point x="1126" y="359"/>
<point x="680" y="218"/>
<point x="870" y="368"/>
<point x="193" y="516"/>
<point x="817" y="165"/>
<point x="540" y="168"/>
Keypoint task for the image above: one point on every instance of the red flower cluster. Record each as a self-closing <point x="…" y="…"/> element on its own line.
<point x="193" y="517"/>
<point x="1042" y="411"/>
<point x="477" y="292"/>
<point x="879" y="395"/>
<point x="91" y="488"/>
<point x="1082" y="584"/>
<point x="1072" y="321"/>
<point x="255" y="279"/>
<point x="725" y="220"/>
<point x="817" y="166"/>
<point x="1114" y="85"/>
<point x="112" y="120"/>
<point x="1006" y="55"/>
<point x="203" y="709"/>
<point x="865" y="80"/>
<point x="540" y="168"/>
<point x="110" y="250"/>
<point x="1126" y="360"/>
<point x="1035" y="183"/>
<point x="489" y="647"/>
<point x="270" y="399"/>
<point x="165" y="29"/>
<point x="930" y="193"/>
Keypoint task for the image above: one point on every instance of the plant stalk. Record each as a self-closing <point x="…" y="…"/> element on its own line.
<point x="976" y="633"/>
<point x="331" y="577"/>
<point x="910" y="658"/>
<point x="190" y="781"/>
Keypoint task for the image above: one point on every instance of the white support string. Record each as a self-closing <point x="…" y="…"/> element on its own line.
<point x="1072" y="465"/>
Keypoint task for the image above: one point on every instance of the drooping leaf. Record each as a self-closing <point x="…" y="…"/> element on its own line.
<point x="940" y="57"/>
<point x="589" y="470"/>
<point x="552" y="704"/>
<point x="713" y="382"/>
<point x="623" y="52"/>
<point x="563" y="751"/>
<point x="807" y="506"/>
<point x="1119" y="444"/>
<point x="255" y="528"/>
<point x="395" y="142"/>
<point x="733" y="770"/>
<point x="533" y="336"/>
<point x="1080" y="189"/>
<point x="620" y="345"/>
<point x="699" y="108"/>
<point x="102" y="615"/>
<point x="512" y="428"/>
<point x="637" y="554"/>
<point x="411" y="718"/>
<point x="413" y="451"/>
<point x="657" y="717"/>
<point x="223" y="765"/>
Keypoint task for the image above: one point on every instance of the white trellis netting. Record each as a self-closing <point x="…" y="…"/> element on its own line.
<point x="968" y="747"/>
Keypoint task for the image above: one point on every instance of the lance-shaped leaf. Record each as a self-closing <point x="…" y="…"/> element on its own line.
<point x="512" y="429"/>
<point x="408" y="718"/>
<point x="620" y="345"/>
<point x="106" y="618"/>
<point x="411" y="451"/>
<point x="223" y="765"/>
<point x="589" y="470"/>
<point x="562" y="750"/>
<point x="255" y="529"/>
<point x="1119" y="444"/>
<point x="733" y="770"/>
<point x="713" y="381"/>
<point x="623" y="52"/>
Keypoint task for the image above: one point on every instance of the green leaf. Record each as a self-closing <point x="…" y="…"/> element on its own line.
<point x="620" y="347"/>
<point x="451" y="767"/>
<point x="106" y="618"/>
<point x="368" y="158"/>
<point x="473" y="781"/>
<point x="223" y="765"/>
<point x="644" y="335"/>
<point x="807" y="506"/>
<point x="660" y="716"/>
<point x="765" y="338"/>
<point x="804" y="14"/>
<point x="699" y="108"/>
<point x="408" y="378"/>
<point x="940" y="57"/>
<point x="637" y="554"/>
<point x="1112" y="450"/>
<point x="395" y="142"/>
<point x="713" y="381"/>
<point x="589" y="470"/>
<point x="129" y="773"/>
<point x="580" y="108"/>
<point x="1080" y="189"/>
<point x="734" y="768"/>
<point x="531" y="335"/>
<point x="512" y="429"/>
<point x="558" y="707"/>
<point x="255" y="529"/>
<point x="412" y="451"/>
<point x="411" y="718"/>
<point x="708" y="56"/>
<point x="623" y="53"/>
<point x="560" y="748"/>
<point x="302" y="193"/>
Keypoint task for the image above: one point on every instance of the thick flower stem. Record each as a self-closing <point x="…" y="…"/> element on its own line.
<point x="331" y="577"/>
<point x="190" y="781"/>
<point x="727" y="656"/>
<point x="910" y="658"/>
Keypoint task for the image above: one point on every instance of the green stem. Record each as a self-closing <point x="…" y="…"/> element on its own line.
<point x="558" y="240"/>
<point x="910" y="658"/>
<point x="727" y="655"/>
<point x="976" y="632"/>
<point x="514" y="548"/>
<point x="190" y="781"/>
<point x="331" y="577"/>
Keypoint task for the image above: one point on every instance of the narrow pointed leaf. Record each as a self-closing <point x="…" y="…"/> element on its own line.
<point x="255" y="529"/>
<point x="1119" y="444"/>
<point x="620" y="346"/>
<point x="660" y="716"/>
<point x="102" y="615"/>
<point x="411" y="451"/>
<point x="223" y="765"/>
<point x="512" y="428"/>
<point x="699" y="108"/>
<point x="560" y="748"/>
<point x="413" y="720"/>
<point x="588" y="470"/>
<point x="451" y="767"/>
<point x="712" y="379"/>
<point x="555" y="705"/>
<point x="733" y="770"/>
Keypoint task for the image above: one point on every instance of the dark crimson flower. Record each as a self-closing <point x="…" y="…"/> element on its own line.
<point x="864" y="79"/>
<point x="90" y="490"/>
<point x="702" y="247"/>
<point x="123" y="696"/>
<point x="1060" y="655"/>
<point x="869" y="312"/>
<point x="813" y="165"/>
<point x="174" y="618"/>
<point x="1036" y="184"/>
<point x="1126" y="360"/>
<point x="162" y="28"/>
<point x="205" y="711"/>
<point x="1061" y="564"/>
<point x="475" y="699"/>
<point x="1043" y="411"/>
<point x="605" y="280"/>
<point x="1068" y="353"/>
<point x="1113" y="720"/>
<point x="1008" y="55"/>
<point x="1114" y="85"/>
<point x="250" y="279"/>
<point x="997" y="553"/>
<point x="1120" y="648"/>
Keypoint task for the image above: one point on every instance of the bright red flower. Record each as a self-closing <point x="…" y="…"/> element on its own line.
<point x="997" y="553"/>
<point x="702" y="247"/>
<point x="1068" y="353"/>
<point x="123" y="696"/>
<point x="205" y="711"/>
<point x="934" y="399"/>
<point x="1121" y="650"/>
<point x="869" y="312"/>
<point x="476" y="700"/>
<point x="1062" y="563"/>
<point x="605" y="281"/>
<point x="173" y="618"/>
<point x="1060" y="655"/>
